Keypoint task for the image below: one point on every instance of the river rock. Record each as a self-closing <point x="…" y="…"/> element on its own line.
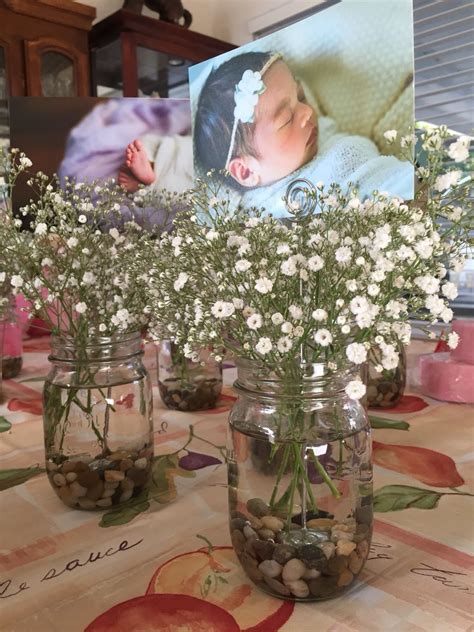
<point x="263" y="549"/>
<point x="283" y="553"/>
<point x="294" y="569"/>
<point x="277" y="586"/>
<point x="270" y="568"/>
<point x="77" y="489"/>
<point x="299" y="588"/>
<point x="115" y="475"/>
<point x="88" y="478"/>
<point x="266" y="534"/>
<point x="258" y="508"/>
<point x="328" y="548"/>
<point x="345" y="547"/>
<point x="355" y="563"/>
<point x="345" y="578"/>
<point x="59" y="479"/>
<point x="272" y="523"/>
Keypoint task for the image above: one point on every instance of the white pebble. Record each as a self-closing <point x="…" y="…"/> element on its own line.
<point x="59" y="479"/>
<point x="311" y="573"/>
<point x="51" y="467"/>
<point x="104" y="502"/>
<point x="77" y="489"/>
<point x="270" y="568"/>
<point x="141" y="463"/>
<point x="299" y="588"/>
<point x="107" y="493"/>
<point x="294" y="569"/>
<point x="71" y="477"/>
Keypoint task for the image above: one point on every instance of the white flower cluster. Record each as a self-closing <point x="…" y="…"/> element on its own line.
<point x="74" y="265"/>
<point x="329" y="288"/>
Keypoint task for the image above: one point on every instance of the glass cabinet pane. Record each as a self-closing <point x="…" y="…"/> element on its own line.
<point x="57" y="75"/>
<point x="160" y="74"/>
<point x="107" y="62"/>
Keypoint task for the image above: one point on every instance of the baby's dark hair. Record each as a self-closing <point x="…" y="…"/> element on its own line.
<point x="215" y="114"/>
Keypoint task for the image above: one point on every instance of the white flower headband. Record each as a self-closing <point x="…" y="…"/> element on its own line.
<point x="246" y="95"/>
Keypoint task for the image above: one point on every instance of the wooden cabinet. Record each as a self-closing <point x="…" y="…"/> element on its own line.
<point x="134" y="55"/>
<point x="44" y="48"/>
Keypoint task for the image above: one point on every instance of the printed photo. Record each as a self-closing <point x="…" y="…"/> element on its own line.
<point x="310" y="101"/>
<point x="139" y="142"/>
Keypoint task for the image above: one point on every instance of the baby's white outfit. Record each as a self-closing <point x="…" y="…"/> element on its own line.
<point x="172" y="158"/>
<point x="344" y="159"/>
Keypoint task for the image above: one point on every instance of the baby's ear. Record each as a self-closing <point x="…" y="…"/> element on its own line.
<point x="243" y="171"/>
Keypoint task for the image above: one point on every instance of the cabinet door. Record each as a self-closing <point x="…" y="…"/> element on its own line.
<point x="55" y="70"/>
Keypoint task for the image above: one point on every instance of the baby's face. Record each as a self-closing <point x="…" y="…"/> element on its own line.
<point x="286" y="130"/>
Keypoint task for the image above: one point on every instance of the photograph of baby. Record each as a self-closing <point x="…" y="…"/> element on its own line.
<point x="140" y="143"/>
<point x="310" y="101"/>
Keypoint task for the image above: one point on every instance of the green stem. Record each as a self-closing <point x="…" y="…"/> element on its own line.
<point x="281" y="471"/>
<point x="325" y="476"/>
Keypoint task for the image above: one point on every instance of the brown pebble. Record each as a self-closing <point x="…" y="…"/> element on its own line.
<point x="94" y="492"/>
<point x="114" y="475"/>
<point x="88" y="478"/>
<point x="362" y="549"/>
<point x="266" y="534"/>
<point x="355" y="563"/>
<point x="322" y="524"/>
<point x="118" y="456"/>
<point x="139" y="477"/>
<point x="336" y="565"/>
<point x="238" y="540"/>
<point x="69" y="466"/>
<point x="345" y="578"/>
<point x="125" y="465"/>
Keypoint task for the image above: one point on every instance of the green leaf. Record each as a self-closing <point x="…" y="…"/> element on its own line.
<point x="164" y="470"/>
<point x="17" y="476"/>
<point x="4" y="424"/>
<point x="398" y="497"/>
<point x="126" y="512"/>
<point x="393" y="424"/>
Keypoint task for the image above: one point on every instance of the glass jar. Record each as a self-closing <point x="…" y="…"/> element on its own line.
<point x="98" y="421"/>
<point x="300" y="481"/>
<point x="385" y="388"/>
<point x="12" y="346"/>
<point x="184" y="384"/>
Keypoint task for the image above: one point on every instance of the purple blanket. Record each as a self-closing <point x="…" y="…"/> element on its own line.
<point x="96" y="146"/>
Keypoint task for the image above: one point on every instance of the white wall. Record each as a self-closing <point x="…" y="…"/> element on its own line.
<point x="229" y="20"/>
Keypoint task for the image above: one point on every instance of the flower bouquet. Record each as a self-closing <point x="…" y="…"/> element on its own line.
<point x="300" y="303"/>
<point x="68" y="253"/>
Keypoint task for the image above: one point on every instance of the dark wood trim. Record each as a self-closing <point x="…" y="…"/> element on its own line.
<point x="195" y="46"/>
<point x="128" y="49"/>
<point x="13" y="62"/>
<point x="33" y="52"/>
<point x="75" y="14"/>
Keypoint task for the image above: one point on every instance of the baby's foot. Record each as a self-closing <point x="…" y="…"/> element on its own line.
<point x="138" y="163"/>
<point x="127" y="180"/>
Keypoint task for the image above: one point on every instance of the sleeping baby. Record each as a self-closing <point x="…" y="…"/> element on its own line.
<point x="253" y="119"/>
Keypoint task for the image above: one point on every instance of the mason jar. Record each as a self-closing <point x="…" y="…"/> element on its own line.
<point x="185" y="384"/>
<point x="385" y="388"/>
<point x="299" y="481"/>
<point x="98" y="421"/>
<point x="12" y="340"/>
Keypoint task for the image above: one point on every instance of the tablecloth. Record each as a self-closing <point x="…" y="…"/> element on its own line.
<point x="167" y="564"/>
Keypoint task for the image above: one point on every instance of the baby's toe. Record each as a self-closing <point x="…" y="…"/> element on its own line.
<point x="138" y="145"/>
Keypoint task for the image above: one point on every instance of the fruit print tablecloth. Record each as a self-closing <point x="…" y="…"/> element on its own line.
<point x="165" y="564"/>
